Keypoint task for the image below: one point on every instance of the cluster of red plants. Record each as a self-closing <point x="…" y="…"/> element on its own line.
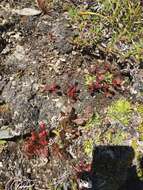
<point x="53" y="88"/>
<point x="36" y="144"/>
<point x="101" y="84"/>
<point x="72" y="90"/>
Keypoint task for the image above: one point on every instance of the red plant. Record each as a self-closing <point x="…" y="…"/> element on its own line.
<point x="100" y="77"/>
<point x="72" y="92"/>
<point x="102" y="84"/>
<point x="105" y="87"/>
<point x="94" y="69"/>
<point x="82" y="167"/>
<point x="116" y="82"/>
<point x="107" y="67"/>
<point x="51" y="88"/>
<point x="36" y="144"/>
<point x="94" y="87"/>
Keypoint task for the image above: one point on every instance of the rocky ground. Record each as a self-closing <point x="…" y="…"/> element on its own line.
<point x="79" y="96"/>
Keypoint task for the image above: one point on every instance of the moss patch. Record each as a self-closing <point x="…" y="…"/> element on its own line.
<point x="95" y="121"/>
<point x="88" y="146"/>
<point x="120" y="111"/>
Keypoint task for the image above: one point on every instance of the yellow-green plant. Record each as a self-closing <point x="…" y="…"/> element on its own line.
<point x="138" y="157"/>
<point x="140" y="109"/>
<point x="140" y="131"/>
<point x="120" y="110"/>
<point x="88" y="147"/>
<point x="112" y="138"/>
<point x="138" y="166"/>
<point x="89" y="79"/>
<point x="94" y="121"/>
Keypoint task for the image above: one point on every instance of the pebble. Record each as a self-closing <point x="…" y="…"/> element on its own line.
<point x="1" y="165"/>
<point x="133" y="91"/>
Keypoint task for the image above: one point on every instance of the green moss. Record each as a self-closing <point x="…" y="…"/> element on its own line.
<point x="74" y="185"/>
<point x="119" y="137"/>
<point x="140" y="130"/>
<point x="114" y="138"/>
<point x="140" y="110"/>
<point x="94" y="121"/>
<point x="73" y="12"/>
<point x="89" y="79"/>
<point x="140" y="127"/>
<point x="138" y="168"/>
<point x="120" y="110"/>
<point x="2" y="142"/>
<point x="88" y="147"/>
<point x="138" y="157"/>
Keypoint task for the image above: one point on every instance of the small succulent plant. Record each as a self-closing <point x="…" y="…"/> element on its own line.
<point x="36" y="144"/>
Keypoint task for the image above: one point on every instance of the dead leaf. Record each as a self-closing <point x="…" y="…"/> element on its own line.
<point x="44" y="5"/>
<point x="80" y="121"/>
<point x="88" y="113"/>
<point x="59" y="152"/>
<point x="4" y="108"/>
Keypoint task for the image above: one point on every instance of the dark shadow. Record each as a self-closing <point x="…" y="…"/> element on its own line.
<point x="132" y="182"/>
<point x="112" y="169"/>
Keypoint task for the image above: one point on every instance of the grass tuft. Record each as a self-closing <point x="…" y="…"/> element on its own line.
<point x="115" y="25"/>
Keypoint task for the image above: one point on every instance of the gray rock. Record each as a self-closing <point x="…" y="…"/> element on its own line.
<point x="17" y="61"/>
<point x="20" y="96"/>
<point x="62" y="33"/>
<point x="138" y="86"/>
<point x="7" y="132"/>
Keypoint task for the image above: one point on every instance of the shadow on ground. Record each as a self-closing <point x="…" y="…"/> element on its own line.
<point x="112" y="169"/>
